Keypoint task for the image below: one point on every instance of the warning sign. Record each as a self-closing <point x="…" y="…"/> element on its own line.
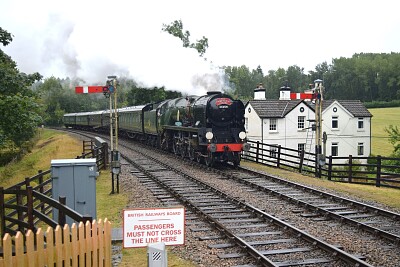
<point x="146" y="226"/>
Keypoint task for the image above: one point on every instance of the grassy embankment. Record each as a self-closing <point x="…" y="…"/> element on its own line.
<point x="57" y="145"/>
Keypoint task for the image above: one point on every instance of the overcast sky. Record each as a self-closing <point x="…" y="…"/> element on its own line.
<point x="94" y="39"/>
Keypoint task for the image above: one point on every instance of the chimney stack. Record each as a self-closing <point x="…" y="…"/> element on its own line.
<point x="259" y="92"/>
<point x="285" y="93"/>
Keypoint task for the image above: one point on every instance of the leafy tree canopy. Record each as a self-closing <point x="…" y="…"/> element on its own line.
<point x="175" y="28"/>
<point x="18" y="108"/>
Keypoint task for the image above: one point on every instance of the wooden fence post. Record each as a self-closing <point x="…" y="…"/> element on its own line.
<point x="61" y="214"/>
<point x="257" y="151"/>
<point x="41" y="189"/>
<point x="278" y="162"/>
<point x="301" y="160"/>
<point x="29" y="204"/>
<point x="105" y="155"/>
<point x="350" y="168"/>
<point x="330" y="168"/>
<point x="20" y="214"/>
<point x="2" y="214"/>
<point x="378" y="170"/>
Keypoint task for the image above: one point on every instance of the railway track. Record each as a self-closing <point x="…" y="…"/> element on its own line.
<point x="321" y="205"/>
<point x="244" y="230"/>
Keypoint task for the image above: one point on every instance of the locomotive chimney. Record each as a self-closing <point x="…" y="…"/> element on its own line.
<point x="259" y="92"/>
<point x="213" y="92"/>
<point x="284" y="93"/>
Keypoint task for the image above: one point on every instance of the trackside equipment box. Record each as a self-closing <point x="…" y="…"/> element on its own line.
<point x="157" y="255"/>
<point x="75" y="179"/>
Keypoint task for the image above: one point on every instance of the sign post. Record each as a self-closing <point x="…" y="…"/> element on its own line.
<point x="148" y="226"/>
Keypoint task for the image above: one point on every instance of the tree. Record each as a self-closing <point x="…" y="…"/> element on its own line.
<point x="18" y="107"/>
<point x="175" y="28"/>
<point x="394" y="138"/>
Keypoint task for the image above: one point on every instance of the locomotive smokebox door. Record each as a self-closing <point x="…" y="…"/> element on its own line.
<point x="75" y="179"/>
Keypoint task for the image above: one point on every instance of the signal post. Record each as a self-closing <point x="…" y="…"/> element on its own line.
<point x="316" y="95"/>
<point x="109" y="91"/>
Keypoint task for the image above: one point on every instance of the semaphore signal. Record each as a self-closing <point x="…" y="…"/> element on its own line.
<point x="89" y="89"/>
<point x="110" y="91"/>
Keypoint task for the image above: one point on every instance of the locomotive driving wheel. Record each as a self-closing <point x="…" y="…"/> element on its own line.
<point x="236" y="159"/>
<point x="183" y="150"/>
<point x="191" y="152"/>
<point x="175" y="147"/>
<point x="198" y="157"/>
<point x="209" y="159"/>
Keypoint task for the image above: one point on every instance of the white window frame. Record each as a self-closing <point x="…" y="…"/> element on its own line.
<point x="360" y="124"/>
<point x="273" y="153"/>
<point x="273" y="123"/>
<point x="301" y="146"/>
<point x="335" y="146"/>
<point x="335" y="119"/>
<point x="301" y="122"/>
<point x="360" y="149"/>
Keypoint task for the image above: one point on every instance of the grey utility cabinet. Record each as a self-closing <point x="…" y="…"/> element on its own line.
<point x="75" y="179"/>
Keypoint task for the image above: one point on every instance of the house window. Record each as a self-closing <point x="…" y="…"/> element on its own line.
<point x="335" y="149"/>
<point x="360" y="123"/>
<point x="273" y="152"/>
<point x="360" y="149"/>
<point x="335" y="122"/>
<point x="246" y="124"/>
<point x="272" y="125"/>
<point x="301" y="122"/>
<point x="301" y="147"/>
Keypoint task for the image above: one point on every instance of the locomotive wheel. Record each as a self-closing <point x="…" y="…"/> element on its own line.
<point x="191" y="152"/>
<point x="198" y="157"/>
<point x="209" y="159"/>
<point x="164" y="143"/>
<point x="175" y="148"/>
<point x="236" y="159"/>
<point x="183" y="150"/>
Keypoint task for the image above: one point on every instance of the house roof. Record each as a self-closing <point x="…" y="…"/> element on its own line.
<point x="355" y="107"/>
<point x="279" y="108"/>
<point x="274" y="108"/>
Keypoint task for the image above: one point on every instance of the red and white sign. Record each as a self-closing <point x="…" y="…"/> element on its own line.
<point x="146" y="226"/>
<point x="302" y="96"/>
<point x="88" y="89"/>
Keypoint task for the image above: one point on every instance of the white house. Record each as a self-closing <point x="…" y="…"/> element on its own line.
<point x="286" y="122"/>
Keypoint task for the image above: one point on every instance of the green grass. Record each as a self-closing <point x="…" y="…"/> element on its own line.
<point x="382" y="118"/>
